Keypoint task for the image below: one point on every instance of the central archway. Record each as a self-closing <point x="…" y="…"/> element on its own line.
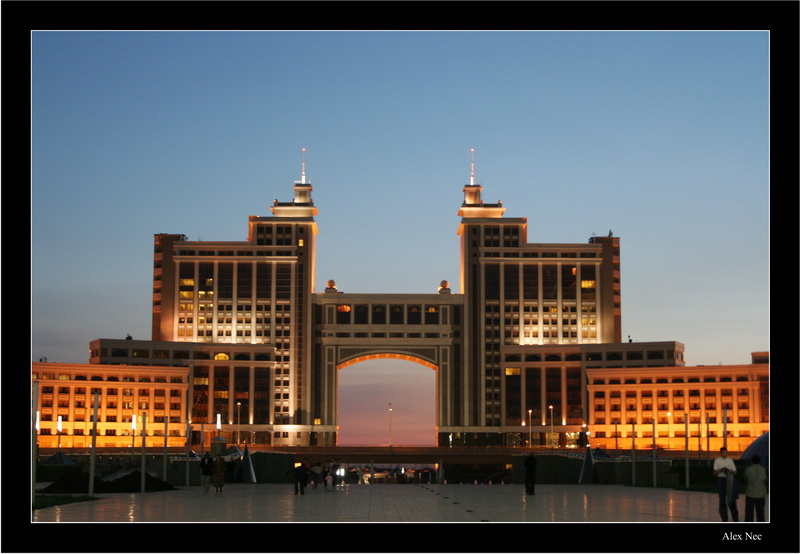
<point x="387" y="356"/>
<point x="368" y="386"/>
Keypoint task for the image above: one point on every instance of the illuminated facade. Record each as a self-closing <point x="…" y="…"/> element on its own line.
<point x="65" y="400"/>
<point x="513" y="294"/>
<point x="256" y="292"/>
<point x="515" y="353"/>
<point x="712" y="406"/>
<point x="544" y="387"/>
<point x="233" y="381"/>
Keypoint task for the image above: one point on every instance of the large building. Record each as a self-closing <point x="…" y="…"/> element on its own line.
<point x="702" y="408"/>
<point x="511" y="352"/>
<point x="261" y="291"/>
<point x="128" y="399"/>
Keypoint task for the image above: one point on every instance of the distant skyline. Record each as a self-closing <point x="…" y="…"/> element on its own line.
<point x="660" y="137"/>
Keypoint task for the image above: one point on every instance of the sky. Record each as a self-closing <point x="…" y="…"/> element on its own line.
<point x="660" y="137"/>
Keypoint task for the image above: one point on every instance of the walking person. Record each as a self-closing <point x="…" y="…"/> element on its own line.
<point x="727" y="486"/>
<point x="219" y="474"/>
<point x="325" y="477"/>
<point x="334" y="471"/>
<point x="316" y="475"/>
<point x="300" y="478"/>
<point x="530" y="474"/>
<point x="206" y="471"/>
<point x="755" y="491"/>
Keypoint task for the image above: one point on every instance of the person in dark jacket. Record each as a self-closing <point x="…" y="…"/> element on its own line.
<point x="530" y="474"/>
<point x="219" y="473"/>
<point x="301" y="478"/>
<point x="206" y="471"/>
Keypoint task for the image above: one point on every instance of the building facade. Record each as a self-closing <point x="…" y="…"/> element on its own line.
<point x="519" y="354"/>
<point x="544" y="388"/>
<point x="702" y="408"/>
<point x="513" y="294"/>
<point x="232" y="383"/>
<point x="254" y="292"/>
<point x="127" y="400"/>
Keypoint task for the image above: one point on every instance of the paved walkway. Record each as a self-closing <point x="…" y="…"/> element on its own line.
<point x="396" y="503"/>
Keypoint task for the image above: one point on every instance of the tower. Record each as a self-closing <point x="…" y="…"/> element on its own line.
<point x="254" y="292"/>
<point x="520" y="294"/>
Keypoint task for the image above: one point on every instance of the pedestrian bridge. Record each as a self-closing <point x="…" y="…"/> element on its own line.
<point x="410" y="454"/>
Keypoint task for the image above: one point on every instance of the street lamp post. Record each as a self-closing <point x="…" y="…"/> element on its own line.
<point x="530" y="428"/>
<point x="551" y="425"/>
<point x="188" y="447"/>
<point x="92" y="461"/>
<point x="133" y="436"/>
<point x="390" y="424"/>
<point x="144" y="451"/>
<point x="35" y="439"/>
<point x="633" y="452"/>
<point x="686" y="450"/>
<point x="725" y="428"/>
<point x="238" y="422"/>
<point x="166" y="446"/>
<point x="655" y="477"/>
<point x="669" y="429"/>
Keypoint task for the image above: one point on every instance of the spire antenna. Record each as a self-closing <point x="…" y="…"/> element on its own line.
<point x="472" y="167"/>
<point x="303" y="169"/>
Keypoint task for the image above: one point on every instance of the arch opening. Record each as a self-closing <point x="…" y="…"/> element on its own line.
<point x="386" y="399"/>
<point x="387" y="356"/>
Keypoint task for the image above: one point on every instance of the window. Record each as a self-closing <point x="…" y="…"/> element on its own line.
<point x="414" y="315"/>
<point x="343" y="314"/>
<point x="568" y="281"/>
<point x="396" y="314"/>
<point x="378" y="314"/>
<point x="549" y="282"/>
<point x="361" y="314"/>
<point x="432" y="315"/>
<point x="492" y="283"/>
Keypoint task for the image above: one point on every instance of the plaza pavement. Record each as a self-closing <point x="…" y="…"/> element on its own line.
<point x="277" y="503"/>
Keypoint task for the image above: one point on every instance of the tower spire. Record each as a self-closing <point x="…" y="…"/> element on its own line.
<point x="473" y="206"/>
<point x="302" y="205"/>
<point x="472" y="167"/>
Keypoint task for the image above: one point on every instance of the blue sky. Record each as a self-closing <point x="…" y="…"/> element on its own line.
<point x="661" y="137"/>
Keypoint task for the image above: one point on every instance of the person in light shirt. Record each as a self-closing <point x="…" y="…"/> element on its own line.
<point x="755" y="491"/>
<point x="727" y="486"/>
